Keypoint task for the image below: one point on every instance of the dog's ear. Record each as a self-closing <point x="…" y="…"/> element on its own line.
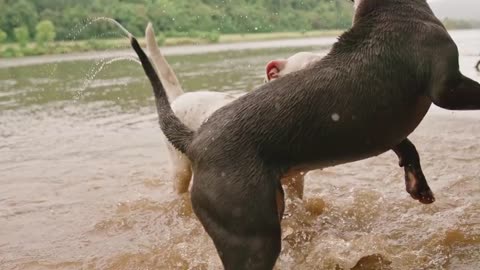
<point x="273" y="68"/>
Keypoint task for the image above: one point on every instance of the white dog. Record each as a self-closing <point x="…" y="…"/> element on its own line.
<point x="195" y="107"/>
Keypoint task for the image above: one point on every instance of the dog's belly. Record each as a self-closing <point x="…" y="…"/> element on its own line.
<point x="361" y="142"/>
<point x="301" y="129"/>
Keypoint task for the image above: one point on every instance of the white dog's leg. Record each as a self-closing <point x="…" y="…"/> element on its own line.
<point x="181" y="170"/>
<point x="293" y="181"/>
<point x="179" y="163"/>
<point x="194" y="108"/>
<point x="167" y="76"/>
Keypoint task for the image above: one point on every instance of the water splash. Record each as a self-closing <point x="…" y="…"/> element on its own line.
<point x="79" y="28"/>
<point x="97" y="68"/>
<point x="102" y="63"/>
<point x="54" y="66"/>
<point x="124" y="30"/>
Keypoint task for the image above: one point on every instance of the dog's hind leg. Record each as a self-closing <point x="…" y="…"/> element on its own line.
<point x="172" y="86"/>
<point x="415" y="181"/>
<point x="241" y="212"/>
<point x="181" y="169"/>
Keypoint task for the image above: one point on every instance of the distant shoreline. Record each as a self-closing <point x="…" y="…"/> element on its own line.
<point x="234" y="43"/>
<point x="325" y="41"/>
<point x="13" y="50"/>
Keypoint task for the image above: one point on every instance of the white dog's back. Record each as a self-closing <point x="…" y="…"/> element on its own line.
<point x="195" y="107"/>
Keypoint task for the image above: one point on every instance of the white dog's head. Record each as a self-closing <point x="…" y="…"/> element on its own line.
<point x="281" y="67"/>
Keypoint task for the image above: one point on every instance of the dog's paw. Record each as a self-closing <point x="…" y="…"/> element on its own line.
<point x="423" y="196"/>
<point x="417" y="186"/>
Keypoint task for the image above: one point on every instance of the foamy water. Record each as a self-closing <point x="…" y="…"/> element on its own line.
<point x="84" y="182"/>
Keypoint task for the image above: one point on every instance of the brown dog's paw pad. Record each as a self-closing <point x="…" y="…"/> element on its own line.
<point x="423" y="196"/>
<point x="417" y="186"/>
<point x="427" y="197"/>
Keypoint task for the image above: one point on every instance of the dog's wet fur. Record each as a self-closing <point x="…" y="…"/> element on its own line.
<point x="364" y="98"/>
<point x="194" y="108"/>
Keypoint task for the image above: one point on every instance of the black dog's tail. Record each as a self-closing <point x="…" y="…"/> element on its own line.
<point x="175" y="131"/>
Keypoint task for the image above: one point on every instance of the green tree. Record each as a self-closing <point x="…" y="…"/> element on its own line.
<point x="3" y="36"/>
<point x="72" y="18"/>
<point x="18" y="13"/>
<point x="22" y="36"/>
<point x="133" y="16"/>
<point x="45" y="32"/>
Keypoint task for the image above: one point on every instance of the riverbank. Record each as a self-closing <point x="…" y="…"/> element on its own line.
<point x="171" y="50"/>
<point x="228" y="43"/>
<point x="13" y="50"/>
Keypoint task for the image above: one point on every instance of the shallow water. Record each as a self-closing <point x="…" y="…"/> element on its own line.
<point x="84" y="178"/>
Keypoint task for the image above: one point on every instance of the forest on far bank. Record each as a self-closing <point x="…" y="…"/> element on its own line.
<point x="172" y="17"/>
<point x="31" y="27"/>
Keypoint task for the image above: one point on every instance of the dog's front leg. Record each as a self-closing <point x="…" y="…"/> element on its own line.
<point x="415" y="181"/>
<point x="478" y="65"/>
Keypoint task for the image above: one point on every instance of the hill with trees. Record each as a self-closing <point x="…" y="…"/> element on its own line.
<point x="169" y="16"/>
<point x="35" y="27"/>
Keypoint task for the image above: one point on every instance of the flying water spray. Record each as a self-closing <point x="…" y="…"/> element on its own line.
<point x="97" y="68"/>
<point x="103" y="62"/>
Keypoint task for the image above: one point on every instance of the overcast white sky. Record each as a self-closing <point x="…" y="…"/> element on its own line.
<point x="458" y="9"/>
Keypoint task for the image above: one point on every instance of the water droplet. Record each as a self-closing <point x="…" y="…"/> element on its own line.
<point x="335" y="117"/>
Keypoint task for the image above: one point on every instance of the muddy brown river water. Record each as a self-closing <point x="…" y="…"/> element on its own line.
<point x="84" y="175"/>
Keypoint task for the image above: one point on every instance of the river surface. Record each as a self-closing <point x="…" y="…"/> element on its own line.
<point x="84" y="175"/>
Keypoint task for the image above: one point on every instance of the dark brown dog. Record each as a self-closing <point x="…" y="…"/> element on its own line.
<point x="364" y="98"/>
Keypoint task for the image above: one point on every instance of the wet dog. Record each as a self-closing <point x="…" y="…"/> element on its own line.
<point x="195" y="107"/>
<point x="365" y="97"/>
